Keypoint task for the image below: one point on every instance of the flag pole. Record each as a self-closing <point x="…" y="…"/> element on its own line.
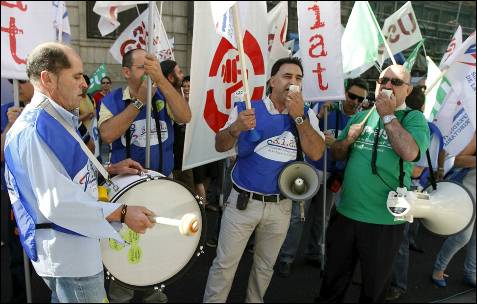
<point x="238" y="38"/>
<point x="149" y="92"/>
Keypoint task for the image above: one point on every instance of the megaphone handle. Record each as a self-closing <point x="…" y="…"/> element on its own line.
<point x="302" y="211"/>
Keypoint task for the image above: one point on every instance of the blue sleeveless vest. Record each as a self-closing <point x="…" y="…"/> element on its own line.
<point x="114" y="102"/>
<point x="70" y="155"/>
<point x="259" y="163"/>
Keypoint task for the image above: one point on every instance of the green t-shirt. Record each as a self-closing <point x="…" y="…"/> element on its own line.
<point x="364" y="195"/>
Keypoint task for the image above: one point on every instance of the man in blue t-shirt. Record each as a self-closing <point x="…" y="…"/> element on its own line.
<point x="122" y="123"/>
<point x="255" y="203"/>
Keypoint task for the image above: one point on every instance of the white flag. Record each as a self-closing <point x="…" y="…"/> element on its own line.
<point x="401" y="30"/>
<point x="216" y="77"/>
<point x="223" y="19"/>
<point x="108" y="10"/>
<point x="135" y="37"/>
<point x="277" y="20"/>
<point x="62" y="22"/>
<point x="319" y="23"/>
<point x="454" y="44"/>
<point x="456" y="118"/>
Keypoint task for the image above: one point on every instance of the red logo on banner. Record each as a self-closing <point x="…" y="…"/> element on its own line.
<point x="229" y="71"/>
<point x="13" y="30"/>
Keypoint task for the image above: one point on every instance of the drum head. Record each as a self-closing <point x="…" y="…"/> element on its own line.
<point x="162" y="253"/>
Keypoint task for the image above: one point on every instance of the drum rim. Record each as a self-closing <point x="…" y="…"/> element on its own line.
<point x="471" y="198"/>
<point x="197" y="253"/>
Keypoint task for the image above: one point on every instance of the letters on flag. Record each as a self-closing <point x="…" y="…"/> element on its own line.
<point x="135" y="37"/>
<point x="318" y="25"/>
<point x="22" y="30"/>
<point x="401" y="31"/>
<point x="216" y="76"/>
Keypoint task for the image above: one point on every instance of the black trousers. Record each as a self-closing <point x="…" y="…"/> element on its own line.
<point x="350" y="241"/>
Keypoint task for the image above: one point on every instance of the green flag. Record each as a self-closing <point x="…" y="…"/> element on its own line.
<point x="412" y="57"/>
<point x="96" y="79"/>
<point x="361" y="38"/>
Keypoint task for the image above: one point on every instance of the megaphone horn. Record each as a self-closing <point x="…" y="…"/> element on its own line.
<point x="445" y="211"/>
<point x="299" y="181"/>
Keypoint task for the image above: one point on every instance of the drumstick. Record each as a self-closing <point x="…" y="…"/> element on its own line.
<point x="188" y="224"/>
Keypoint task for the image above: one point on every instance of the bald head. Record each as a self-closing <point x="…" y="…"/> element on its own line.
<point x="399" y="71"/>
<point x="49" y="56"/>
<point x="401" y="89"/>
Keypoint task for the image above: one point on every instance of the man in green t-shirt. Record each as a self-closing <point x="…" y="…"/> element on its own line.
<point x="363" y="229"/>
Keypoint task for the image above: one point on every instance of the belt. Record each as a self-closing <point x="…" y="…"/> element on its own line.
<point x="275" y="198"/>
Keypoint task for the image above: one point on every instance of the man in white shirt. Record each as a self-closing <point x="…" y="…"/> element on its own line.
<point x="53" y="187"/>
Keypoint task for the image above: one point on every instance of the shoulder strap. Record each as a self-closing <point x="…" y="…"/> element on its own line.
<point x="46" y="105"/>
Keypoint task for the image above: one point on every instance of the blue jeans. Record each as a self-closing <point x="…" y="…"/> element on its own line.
<point x="292" y="241"/>
<point x="401" y="262"/>
<point x="456" y="242"/>
<point x="77" y="290"/>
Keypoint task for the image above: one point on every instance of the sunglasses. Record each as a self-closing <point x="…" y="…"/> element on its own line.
<point x="353" y="96"/>
<point x="394" y="81"/>
<point x="106" y="82"/>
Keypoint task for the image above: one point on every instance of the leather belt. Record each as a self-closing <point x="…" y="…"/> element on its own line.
<point x="275" y="198"/>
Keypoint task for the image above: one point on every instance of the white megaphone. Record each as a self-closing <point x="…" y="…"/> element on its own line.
<point x="299" y="181"/>
<point x="445" y="211"/>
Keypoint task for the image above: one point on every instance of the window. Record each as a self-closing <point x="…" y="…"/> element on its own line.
<point x="125" y="18"/>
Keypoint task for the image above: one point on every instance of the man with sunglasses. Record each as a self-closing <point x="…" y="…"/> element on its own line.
<point x="362" y="228"/>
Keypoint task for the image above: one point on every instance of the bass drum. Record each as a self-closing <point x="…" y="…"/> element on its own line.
<point x="161" y="255"/>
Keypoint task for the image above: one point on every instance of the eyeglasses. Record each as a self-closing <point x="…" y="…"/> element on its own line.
<point x="394" y="81"/>
<point x="106" y="82"/>
<point x="19" y="81"/>
<point x="354" y="96"/>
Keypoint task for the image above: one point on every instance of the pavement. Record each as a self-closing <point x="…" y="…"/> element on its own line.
<point x="301" y="287"/>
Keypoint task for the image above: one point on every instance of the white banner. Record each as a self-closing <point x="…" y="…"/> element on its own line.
<point x="216" y="76"/>
<point x="319" y="25"/>
<point x="135" y="37"/>
<point x="401" y="31"/>
<point x="22" y="30"/>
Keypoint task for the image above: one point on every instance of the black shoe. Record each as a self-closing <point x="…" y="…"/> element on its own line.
<point x="284" y="269"/>
<point x="212" y="243"/>
<point x="415" y="248"/>
<point x="393" y="293"/>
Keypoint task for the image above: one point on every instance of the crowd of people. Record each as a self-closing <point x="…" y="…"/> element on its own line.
<point x="52" y="187"/>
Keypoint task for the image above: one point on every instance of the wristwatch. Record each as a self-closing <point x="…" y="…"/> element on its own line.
<point x="299" y="120"/>
<point x="137" y="104"/>
<point x="388" y="118"/>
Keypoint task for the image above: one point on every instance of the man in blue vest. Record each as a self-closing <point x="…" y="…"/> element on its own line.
<point x="122" y="123"/>
<point x="255" y="201"/>
<point x="53" y="186"/>
<point x="122" y="120"/>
